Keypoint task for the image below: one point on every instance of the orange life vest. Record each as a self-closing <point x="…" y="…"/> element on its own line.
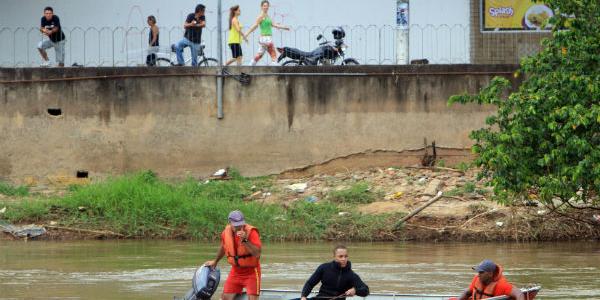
<point x="481" y="292"/>
<point x="238" y="256"/>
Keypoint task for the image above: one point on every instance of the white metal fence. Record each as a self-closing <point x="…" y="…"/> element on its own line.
<point x="120" y="46"/>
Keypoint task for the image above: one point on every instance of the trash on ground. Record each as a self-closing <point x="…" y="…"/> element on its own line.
<point x="253" y="196"/>
<point x="220" y="172"/>
<point x="298" y="187"/>
<point x="311" y="199"/>
<point x="26" y="231"/>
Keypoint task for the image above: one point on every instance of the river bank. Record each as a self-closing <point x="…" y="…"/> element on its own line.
<point x="357" y="206"/>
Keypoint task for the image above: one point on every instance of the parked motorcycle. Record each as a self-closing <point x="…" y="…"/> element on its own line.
<point x="328" y="53"/>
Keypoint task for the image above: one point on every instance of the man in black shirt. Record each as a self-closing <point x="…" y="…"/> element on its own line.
<point x="51" y="28"/>
<point x="337" y="278"/>
<point x="193" y="35"/>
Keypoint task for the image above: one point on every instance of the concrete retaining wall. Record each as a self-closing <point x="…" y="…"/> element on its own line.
<point x="116" y="120"/>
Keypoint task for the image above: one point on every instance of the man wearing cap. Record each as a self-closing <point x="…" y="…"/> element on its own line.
<point x="489" y="282"/>
<point x="240" y="242"/>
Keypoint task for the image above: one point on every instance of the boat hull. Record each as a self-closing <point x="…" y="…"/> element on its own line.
<point x="270" y="294"/>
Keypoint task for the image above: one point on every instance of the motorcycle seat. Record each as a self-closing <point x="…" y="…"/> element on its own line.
<point x="299" y="54"/>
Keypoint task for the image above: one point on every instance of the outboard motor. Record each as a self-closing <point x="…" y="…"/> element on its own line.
<point x="204" y="284"/>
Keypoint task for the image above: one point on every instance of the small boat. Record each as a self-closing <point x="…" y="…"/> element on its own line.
<point x="268" y="294"/>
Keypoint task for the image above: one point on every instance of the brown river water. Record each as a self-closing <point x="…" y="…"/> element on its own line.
<point x="163" y="269"/>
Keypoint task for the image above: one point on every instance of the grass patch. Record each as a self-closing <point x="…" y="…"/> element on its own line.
<point x="358" y="193"/>
<point x="463" y="166"/>
<point x="478" y="208"/>
<point x="142" y="206"/>
<point x="9" y="190"/>
<point x="441" y="163"/>
<point x="357" y="226"/>
<point x="467" y="188"/>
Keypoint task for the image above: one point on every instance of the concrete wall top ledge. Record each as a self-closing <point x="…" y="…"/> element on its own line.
<point x="23" y="74"/>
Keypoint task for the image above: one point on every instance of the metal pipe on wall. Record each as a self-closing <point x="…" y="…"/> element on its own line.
<point x="220" y="58"/>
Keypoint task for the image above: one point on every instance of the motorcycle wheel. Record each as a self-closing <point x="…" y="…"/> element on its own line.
<point x="350" y="62"/>
<point x="292" y="63"/>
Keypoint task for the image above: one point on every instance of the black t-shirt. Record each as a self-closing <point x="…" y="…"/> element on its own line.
<point x="54" y="22"/>
<point x="194" y="34"/>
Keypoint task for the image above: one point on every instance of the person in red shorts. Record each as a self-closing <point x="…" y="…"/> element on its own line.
<point x="489" y="282"/>
<point x="240" y="242"/>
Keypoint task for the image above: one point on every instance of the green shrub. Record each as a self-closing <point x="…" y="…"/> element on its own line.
<point x="544" y="136"/>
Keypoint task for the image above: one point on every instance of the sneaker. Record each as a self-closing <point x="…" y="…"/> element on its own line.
<point x="45" y="64"/>
<point x="274" y="64"/>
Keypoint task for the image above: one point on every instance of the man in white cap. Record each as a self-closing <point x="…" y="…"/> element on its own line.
<point x="240" y="242"/>
<point x="489" y="282"/>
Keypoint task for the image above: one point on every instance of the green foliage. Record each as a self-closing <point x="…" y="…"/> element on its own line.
<point x="9" y="190"/>
<point x="357" y="193"/>
<point x="30" y="210"/>
<point x="546" y="135"/>
<point x="463" y="166"/>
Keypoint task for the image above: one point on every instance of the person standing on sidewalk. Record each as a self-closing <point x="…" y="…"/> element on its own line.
<point x="193" y="35"/>
<point x="240" y="242"/>
<point x="50" y="27"/>
<point x="265" y="41"/>
<point x="153" y="42"/>
<point x="235" y="36"/>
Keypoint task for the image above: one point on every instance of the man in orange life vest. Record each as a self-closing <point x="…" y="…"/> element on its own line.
<point x="240" y="242"/>
<point x="489" y="282"/>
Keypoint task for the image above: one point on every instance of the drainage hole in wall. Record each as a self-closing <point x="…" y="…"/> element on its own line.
<point x="55" y="112"/>
<point x="82" y="174"/>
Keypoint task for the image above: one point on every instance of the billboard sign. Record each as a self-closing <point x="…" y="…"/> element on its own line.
<point x="515" y="15"/>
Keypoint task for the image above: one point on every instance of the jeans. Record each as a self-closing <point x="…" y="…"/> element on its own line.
<point x="193" y="47"/>
<point x="59" y="47"/>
